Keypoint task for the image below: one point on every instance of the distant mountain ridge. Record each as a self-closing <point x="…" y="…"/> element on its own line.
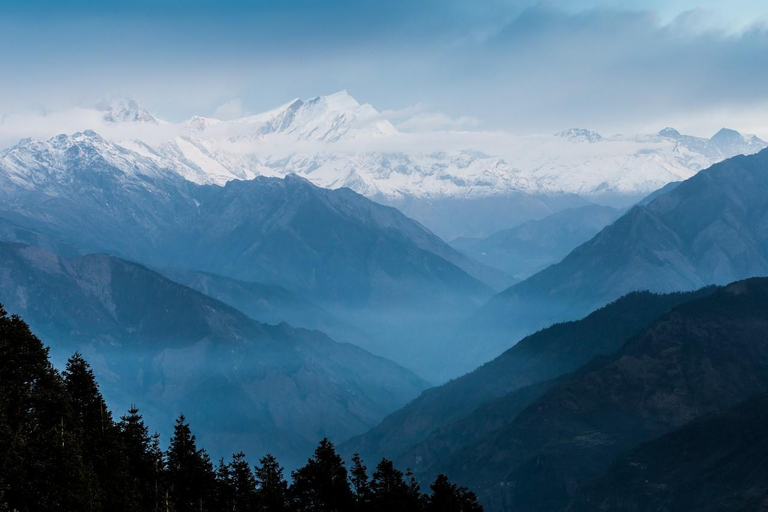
<point x="335" y="141"/>
<point x="536" y="244"/>
<point x="84" y="173"/>
<point x="706" y="230"/>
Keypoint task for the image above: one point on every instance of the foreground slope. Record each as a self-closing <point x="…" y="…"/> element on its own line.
<point x="153" y="341"/>
<point x="717" y="462"/>
<point x="703" y="356"/>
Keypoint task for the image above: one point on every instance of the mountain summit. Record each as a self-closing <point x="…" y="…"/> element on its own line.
<point x="125" y="110"/>
<point x="329" y="118"/>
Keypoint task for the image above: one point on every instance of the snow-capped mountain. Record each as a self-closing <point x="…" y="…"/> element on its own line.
<point x="326" y="118"/>
<point x="334" y="141"/>
<point x="580" y="135"/>
<point x="122" y="110"/>
<point x="73" y="160"/>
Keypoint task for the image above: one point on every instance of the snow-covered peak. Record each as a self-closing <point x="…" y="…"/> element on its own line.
<point x="76" y="158"/>
<point x="338" y="101"/>
<point x="125" y="110"/>
<point x="730" y="142"/>
<point x="580" y="135"/>
<point x="199" y="124"/>
<point x="670" y="133"/>
<point x="329" y="118"/>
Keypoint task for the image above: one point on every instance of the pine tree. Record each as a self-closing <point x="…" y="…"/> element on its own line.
<point x="41" y="462"/>
<point x="102" y="447"/>
<point x="225" y="494"/>
<point x="190" y="472"/>
<point x="448" y="497"/>
<point x="243" y="484"/>
<point x="159" y="483"/>
<point x="322" y="485"/>
<point x="360" y="486"/>
<point x="389" y="489"/>
<point x="413" y="491"/>
<point x="272" y="489"/>
<point x="144" y="462"/>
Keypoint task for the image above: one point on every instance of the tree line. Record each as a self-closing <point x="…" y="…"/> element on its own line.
<point x="61" y="450"/>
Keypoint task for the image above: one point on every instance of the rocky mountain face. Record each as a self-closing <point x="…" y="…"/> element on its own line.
<point x="709" y="229"/>
<point x="534" y="245"/>
<point x="243" y="384"/>
<point x="447" y="418"/>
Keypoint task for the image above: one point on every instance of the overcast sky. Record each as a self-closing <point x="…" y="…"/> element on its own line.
<point x="516" y="65"/>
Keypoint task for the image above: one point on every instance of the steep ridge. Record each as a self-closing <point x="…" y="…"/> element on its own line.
<point x="419" y="433"/>
<point x="99" y="196"/>
<point x="717" y="462"/>
<point x="703" y="356"/>
<point x="244" y="384"/>
<point x="709" y="229"/>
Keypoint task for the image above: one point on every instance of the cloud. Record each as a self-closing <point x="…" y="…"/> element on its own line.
<point x="418" y="118"/>
<point x="612" y="69"/>
<point x="516" y="65"/>
<point x="232" y="109"/>
<point x="44" y="124"/>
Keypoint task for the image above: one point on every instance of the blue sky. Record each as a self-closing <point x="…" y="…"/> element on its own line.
<point x="518" y="65"/>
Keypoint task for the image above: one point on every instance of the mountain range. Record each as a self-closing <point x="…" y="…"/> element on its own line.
<point x="709" y="229"/>
<point x="716" y="462"/>
<point x="473" y="189"/>
<point x="241" y="272"/>
<point x="370" y="264"/>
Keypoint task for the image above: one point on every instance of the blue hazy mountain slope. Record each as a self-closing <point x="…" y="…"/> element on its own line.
<point x="266" y="303"/>
<point x="445" y="418"/>
<point x="246" y="385"/>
